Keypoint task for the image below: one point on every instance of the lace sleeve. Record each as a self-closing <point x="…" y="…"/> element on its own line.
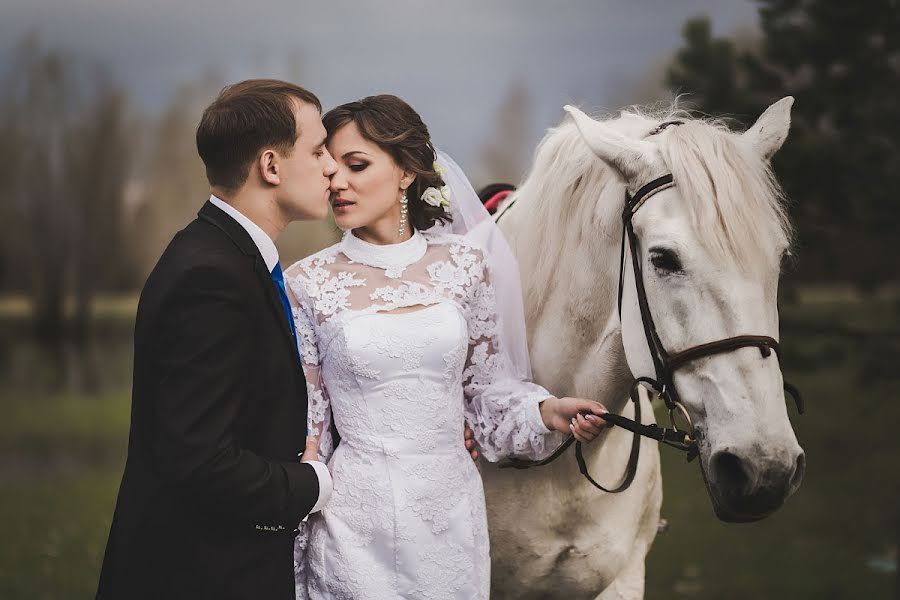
<point x="501" y="409"/>
<point x="318" y="413"/>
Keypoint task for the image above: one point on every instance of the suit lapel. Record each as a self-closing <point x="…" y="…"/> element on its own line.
<point x="212" y="214"/>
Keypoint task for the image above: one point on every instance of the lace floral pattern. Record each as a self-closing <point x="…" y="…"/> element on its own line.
<point x="438" y="576"/>
<point x="400" y="348"/>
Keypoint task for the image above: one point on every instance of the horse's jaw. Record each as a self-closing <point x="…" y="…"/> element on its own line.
<point x="749" y="455"/>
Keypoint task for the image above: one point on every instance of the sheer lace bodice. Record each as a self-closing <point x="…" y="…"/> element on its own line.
<point x="400" y="347"/>
<point x="354" y="278"/>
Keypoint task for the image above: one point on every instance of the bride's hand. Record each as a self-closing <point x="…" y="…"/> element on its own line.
<point x="311" y="452"/>
<point x="564" y="414"/>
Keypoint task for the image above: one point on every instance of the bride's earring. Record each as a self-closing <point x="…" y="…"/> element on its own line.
<point x="404" y="212"/>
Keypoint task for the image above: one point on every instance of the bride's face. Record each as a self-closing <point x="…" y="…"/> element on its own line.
<point x="366" y="188"/>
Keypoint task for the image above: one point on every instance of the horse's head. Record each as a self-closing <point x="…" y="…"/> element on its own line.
<point x="710" y="249"/>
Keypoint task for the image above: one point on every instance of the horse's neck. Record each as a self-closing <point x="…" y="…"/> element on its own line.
<point x="571" y="309"/>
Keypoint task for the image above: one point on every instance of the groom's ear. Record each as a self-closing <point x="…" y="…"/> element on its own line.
<point x="268" y="167"/>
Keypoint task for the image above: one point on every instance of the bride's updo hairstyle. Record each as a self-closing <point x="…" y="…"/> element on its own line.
<point x="397" y="129"/>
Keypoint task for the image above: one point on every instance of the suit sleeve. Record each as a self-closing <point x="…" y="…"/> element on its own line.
<point x="204" y="354"/>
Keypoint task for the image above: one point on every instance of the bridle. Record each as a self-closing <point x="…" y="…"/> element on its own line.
<point x="665" y="364"/>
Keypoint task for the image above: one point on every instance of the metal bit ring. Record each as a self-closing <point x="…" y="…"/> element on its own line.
<point x="687" y="418"/>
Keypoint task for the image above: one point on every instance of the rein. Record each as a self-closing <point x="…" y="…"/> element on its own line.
<point x="664" y="363"/>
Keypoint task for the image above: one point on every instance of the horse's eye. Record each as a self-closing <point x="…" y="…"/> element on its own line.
<point x="787" y="262"/>
<point x="665" y="260"/>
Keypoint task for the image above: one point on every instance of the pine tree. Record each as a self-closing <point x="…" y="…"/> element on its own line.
<point x="841" y="163"/>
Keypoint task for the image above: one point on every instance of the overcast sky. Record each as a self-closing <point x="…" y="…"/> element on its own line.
<point x="453" y="60"/>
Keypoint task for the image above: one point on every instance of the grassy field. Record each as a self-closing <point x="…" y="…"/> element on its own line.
<point x="821" y="543"/>
<point x="61" y="457"/>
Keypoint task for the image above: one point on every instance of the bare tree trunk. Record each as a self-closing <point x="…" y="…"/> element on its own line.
<point x="68" y="180"/>
<point x="46" y="217"/>
<point x="101" y="175"/>
<point x="39" y="103"/>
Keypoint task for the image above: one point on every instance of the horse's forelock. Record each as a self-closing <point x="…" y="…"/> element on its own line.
<point x="730" y="190"/>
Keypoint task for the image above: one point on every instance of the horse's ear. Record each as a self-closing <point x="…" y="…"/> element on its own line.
<point x="771" y="128"/>
<point x="628" y="156"/>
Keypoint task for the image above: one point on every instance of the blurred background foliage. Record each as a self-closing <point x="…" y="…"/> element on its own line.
<point x="93" y="187"/>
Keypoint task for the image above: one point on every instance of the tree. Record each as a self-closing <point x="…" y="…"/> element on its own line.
<point x="706" y="67"/>
<point x="173" y="183"/>
<point x="99" y="168"/>
<point x="841" y="164"/>
<point x="67" y="160"/>
<point x="39" y="107"/>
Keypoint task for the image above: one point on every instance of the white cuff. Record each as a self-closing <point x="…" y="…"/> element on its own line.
<point x="325" y="484"/>
<point x="533" y="410"/>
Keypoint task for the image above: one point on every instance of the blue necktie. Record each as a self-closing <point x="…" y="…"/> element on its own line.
<point x="278" y="278"/>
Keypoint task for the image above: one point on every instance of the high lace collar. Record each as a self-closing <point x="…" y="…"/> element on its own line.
<point x="390" y="257"/>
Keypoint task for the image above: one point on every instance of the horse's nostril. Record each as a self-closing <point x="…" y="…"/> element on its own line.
<point x="731" y="473"/>
<point x="799" y="471"/>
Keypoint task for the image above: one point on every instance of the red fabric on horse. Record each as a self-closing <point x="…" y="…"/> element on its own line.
<point x="494" y="201"/>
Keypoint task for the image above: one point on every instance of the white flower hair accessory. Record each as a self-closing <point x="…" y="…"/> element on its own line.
<point x="438" y="197"/>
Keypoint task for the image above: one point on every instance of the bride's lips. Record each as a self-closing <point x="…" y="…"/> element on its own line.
<point x="340" y="205"/>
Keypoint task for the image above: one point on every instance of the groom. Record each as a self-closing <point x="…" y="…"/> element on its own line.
<point x="214" y="485"/>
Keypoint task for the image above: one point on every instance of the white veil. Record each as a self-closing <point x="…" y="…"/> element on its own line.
<point x="471" y="219"/>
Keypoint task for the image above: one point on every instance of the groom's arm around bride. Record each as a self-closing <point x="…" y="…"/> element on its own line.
<point x="213" y="487"/>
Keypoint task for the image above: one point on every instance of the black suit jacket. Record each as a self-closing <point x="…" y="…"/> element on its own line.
<point x="212" y="490"/>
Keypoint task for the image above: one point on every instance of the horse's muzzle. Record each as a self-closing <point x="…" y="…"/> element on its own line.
<point x="744" y="490"/>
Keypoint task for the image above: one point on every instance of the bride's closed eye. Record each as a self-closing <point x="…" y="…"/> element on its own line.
<point x="357" y="167"/>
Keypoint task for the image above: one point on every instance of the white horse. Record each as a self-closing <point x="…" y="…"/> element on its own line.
<point x="710" y="249"/>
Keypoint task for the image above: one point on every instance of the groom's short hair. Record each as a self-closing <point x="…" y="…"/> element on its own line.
<point x="244" y="119"/>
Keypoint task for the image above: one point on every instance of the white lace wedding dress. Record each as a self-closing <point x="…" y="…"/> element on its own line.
<point x="400" y="347"/>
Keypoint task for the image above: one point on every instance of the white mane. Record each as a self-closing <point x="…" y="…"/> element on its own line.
<point x="729" y="188"/>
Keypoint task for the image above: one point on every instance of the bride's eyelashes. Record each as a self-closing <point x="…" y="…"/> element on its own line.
<point x="357" y="167"/>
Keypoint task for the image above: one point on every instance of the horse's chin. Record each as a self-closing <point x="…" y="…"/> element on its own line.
<point x="740" y="511"/>
<point x="736" y="508"/>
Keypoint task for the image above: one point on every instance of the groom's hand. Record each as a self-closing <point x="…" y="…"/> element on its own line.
<point x="469" y="441"/>
<point x="311" y="452"/>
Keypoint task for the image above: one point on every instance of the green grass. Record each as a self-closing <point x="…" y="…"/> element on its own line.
<point x="54" y="532"/>
<point x="61" y="458"/>
<point x="64" y="423"/>
<point x="122" y="306"/>
<point x="56" y="503"/>
<point x="818" y="545"/>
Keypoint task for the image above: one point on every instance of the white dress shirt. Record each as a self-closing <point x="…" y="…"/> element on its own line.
<point x="270" y="255"/>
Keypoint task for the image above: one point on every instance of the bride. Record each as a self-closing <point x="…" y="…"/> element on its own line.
<point x="402" y="342"/>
